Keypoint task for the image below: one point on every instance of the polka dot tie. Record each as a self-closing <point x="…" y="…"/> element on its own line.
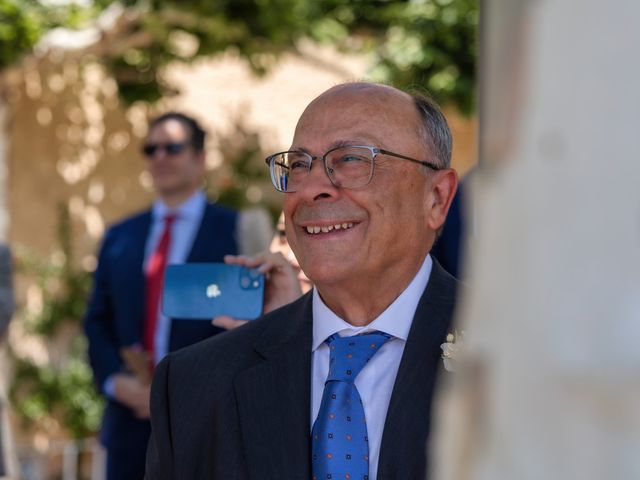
<point x="340" y="449"/>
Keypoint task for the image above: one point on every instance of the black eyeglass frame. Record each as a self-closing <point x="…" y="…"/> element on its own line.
<point x="170" y="148"/>
<point x="375" y="151"/>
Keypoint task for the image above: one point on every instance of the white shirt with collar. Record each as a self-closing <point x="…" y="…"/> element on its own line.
<point x="183" y="233"/>
<point x="375" y="381"/>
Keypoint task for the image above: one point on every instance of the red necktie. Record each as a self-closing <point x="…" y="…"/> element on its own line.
<point x="153" y="286"/>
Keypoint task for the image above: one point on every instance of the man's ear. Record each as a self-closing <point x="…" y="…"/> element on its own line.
<point x="444" y="184"/>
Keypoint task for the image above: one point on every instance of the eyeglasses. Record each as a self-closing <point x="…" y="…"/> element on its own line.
<point x="347" y="167"/>
<point x="172" y="148"/>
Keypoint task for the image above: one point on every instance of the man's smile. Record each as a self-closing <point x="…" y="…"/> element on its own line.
<point x="314" y="229"/>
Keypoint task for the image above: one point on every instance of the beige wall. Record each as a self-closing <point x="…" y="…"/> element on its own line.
<point x="70" y="144"/>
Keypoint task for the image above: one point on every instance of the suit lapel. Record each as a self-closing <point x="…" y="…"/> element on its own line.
<point x="274" y="397"/>
<point x="402" y="453"/>
<point x="205" y="237"/>
<point x="215" y="236"/>
<point x="128" y="278"/>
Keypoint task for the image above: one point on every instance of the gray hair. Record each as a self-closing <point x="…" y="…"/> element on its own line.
<point x="435" y="129"/>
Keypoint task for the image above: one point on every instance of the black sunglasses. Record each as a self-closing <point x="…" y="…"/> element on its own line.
<point x="170" y="148"/>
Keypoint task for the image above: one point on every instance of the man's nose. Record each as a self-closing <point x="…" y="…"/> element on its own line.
<point x="317" y="183"/>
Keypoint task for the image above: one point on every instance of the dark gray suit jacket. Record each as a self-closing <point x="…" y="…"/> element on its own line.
<point x="237" y="406"/>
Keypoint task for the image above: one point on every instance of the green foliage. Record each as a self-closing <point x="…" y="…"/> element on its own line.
<point x="428" y="43"/>
<point x="23" y="22"/>
<point x="416" y="43"/>
<point x="64" y="390"/>
<point x="64" y="288"/>
<point x="433" y="45"/>
<point x="20" y="29"/>
<point x="64" y="393"/>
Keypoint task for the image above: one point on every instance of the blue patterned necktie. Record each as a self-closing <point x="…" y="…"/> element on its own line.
<point x="340" y="448"/>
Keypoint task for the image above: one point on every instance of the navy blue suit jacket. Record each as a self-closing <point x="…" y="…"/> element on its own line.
<point x="115" y="313"/>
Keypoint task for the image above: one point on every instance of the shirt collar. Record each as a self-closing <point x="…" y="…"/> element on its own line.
<point x="192" y="207"/>
<point x="396" y="320"/>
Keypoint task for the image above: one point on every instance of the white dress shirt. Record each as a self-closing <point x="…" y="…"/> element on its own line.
<point x="183" y="233"/>
<point x="375" y="381"/>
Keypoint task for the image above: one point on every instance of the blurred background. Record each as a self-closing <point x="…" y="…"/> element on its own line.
<point x="78" y="82"/>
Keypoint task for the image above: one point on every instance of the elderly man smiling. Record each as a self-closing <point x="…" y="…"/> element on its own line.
<point x="338" y="384"/>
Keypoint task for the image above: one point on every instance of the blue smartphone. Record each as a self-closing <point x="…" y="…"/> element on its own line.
<point x="207" y="290"/>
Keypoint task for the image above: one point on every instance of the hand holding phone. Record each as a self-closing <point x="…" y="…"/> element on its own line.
<point x="282" y="284"/>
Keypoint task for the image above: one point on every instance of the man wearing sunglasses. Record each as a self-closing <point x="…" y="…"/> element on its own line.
<point x="127" y="332"/>
<point x="338" y="384"/>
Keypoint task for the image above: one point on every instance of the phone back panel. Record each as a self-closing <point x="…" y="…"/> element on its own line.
<point x="207" y="290"/>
